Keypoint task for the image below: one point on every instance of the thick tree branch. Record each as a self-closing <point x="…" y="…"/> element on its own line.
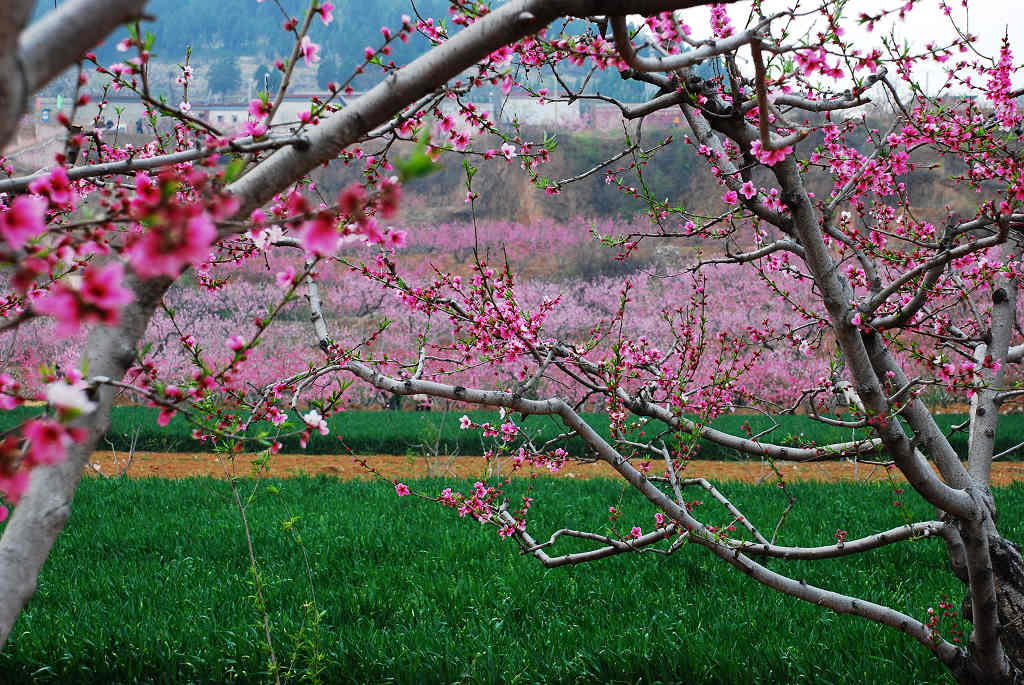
<point x="51" y="45"/>
<point x="984" y="406"/>
<point x="45" y="506"/>
<point x="836" y="296"/>
<point x="698" y="533"/>
<point x="680" y="61"/>
<point x="14" y="89"/>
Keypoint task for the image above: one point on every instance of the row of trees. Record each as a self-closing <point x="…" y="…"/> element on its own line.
<point x="570" y="266"/>
<point x="911" y="297"/>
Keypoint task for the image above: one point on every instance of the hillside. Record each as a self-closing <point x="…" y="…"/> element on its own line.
<point x="673" y="172"/>
<point x="250" y="31"/>
<point x="254" y="38"/>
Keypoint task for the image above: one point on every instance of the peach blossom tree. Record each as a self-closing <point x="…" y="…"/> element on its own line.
<point x="809" y="118"/>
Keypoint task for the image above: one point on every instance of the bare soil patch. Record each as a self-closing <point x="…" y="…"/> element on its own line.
<point x="185" y="464"/>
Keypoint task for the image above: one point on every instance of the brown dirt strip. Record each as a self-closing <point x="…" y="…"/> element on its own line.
<point x="185" y="464"/>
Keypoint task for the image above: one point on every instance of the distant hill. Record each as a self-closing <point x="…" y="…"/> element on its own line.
<point x="244" y="27"/>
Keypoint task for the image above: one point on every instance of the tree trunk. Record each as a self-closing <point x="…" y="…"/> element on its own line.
<point x="1008" y="569"/>
<point x="46" y="505"/>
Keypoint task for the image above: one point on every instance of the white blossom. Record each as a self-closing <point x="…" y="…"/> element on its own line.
<point x="69" y="398"/>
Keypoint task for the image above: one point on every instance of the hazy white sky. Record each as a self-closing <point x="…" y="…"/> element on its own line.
<point x="987" y="19"/>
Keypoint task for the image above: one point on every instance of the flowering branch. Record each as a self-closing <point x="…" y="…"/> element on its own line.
<point x="686" y="59"/>
<point x="241" y="146"/>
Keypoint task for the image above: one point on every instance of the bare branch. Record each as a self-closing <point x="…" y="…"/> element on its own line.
<point x="906" y="532"/>
<point x="725" y="502"/>
<point x="612" y="546"/>
<point x="241" y="146"/>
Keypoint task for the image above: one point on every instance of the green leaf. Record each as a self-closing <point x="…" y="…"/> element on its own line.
<point x="417" y="164"/>
<point x="234" y="169"/>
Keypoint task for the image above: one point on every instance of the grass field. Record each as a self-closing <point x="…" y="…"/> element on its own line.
<point x="150" y="583"/>
<point x="404" y="432"/>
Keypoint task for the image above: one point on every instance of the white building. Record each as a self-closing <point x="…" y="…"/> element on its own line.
<point x="533" y="112"/>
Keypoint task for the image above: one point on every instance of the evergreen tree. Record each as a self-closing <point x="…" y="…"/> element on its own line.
<point x="267" y="79"/>
<point x="331" y="68"/>
<point x="224" y="76"/>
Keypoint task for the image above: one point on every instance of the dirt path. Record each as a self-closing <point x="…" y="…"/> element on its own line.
<point x="180" y="465"/>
